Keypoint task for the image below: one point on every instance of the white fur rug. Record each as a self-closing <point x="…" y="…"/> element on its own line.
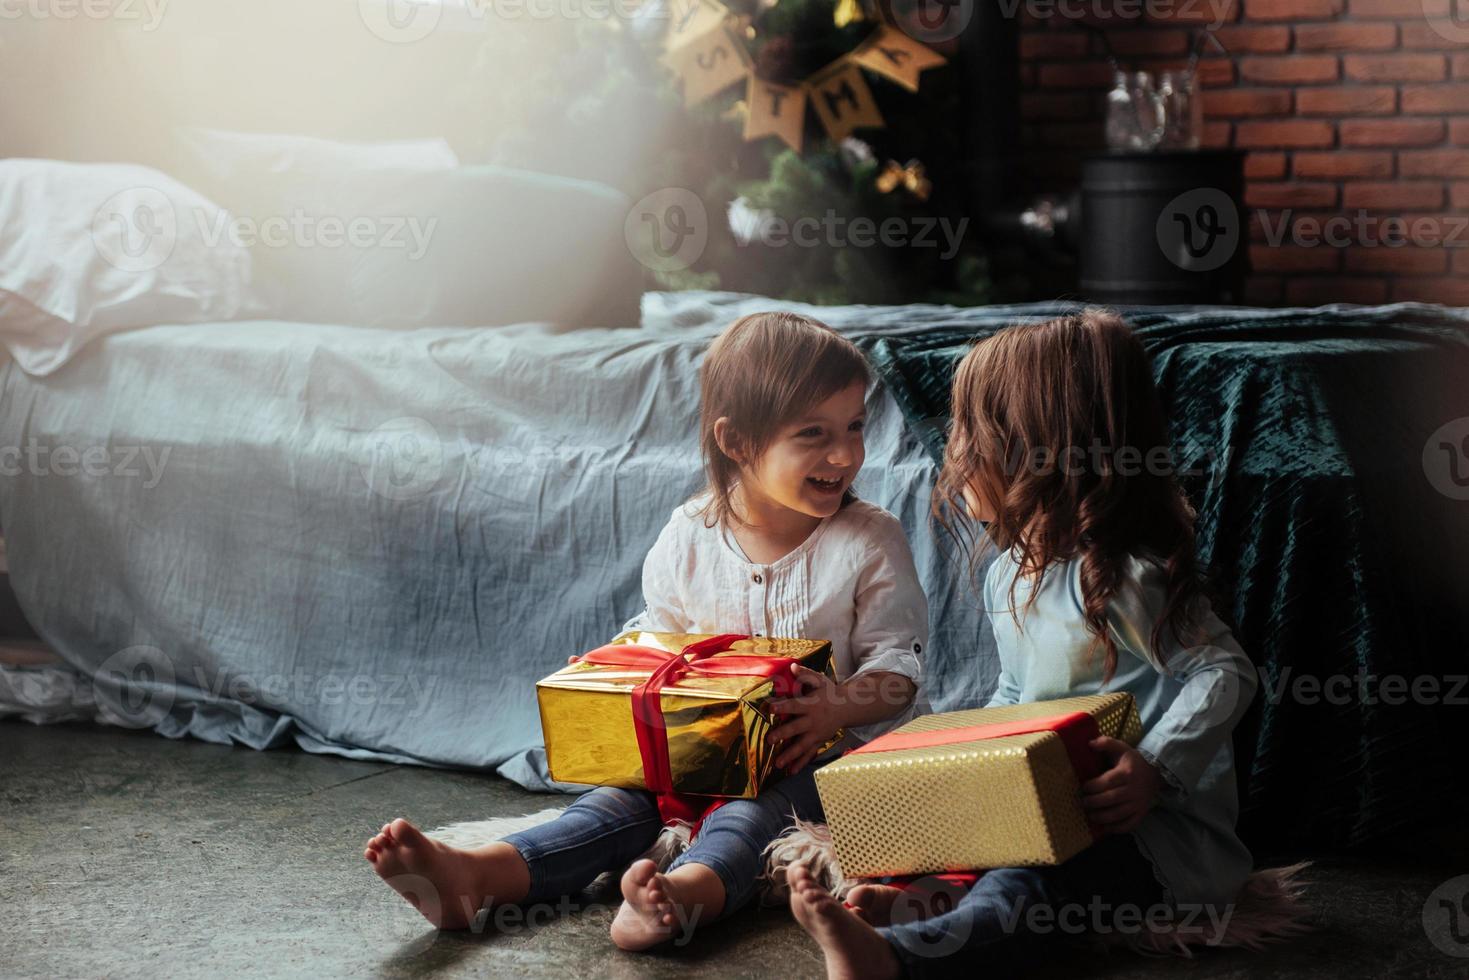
<point x="1271" y="907"/>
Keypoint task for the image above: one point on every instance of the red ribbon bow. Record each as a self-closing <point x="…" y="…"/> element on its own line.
<point x="647" y="704"/>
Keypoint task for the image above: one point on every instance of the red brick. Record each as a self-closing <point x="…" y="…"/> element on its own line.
<point x="1449" y="292"/>
<point x="1391" y="132"/>
<point x="1060" y="105"/>
<point x="1302" y="69"/>
<point x="1346" y="37"/>
<point x="1392" y="195"/>
<point x="1433" y="163"/>
<point x="1419" y="35"/>
<point x="1431" y="99"/>
<point x="1460" y="63"/>
<point x="1216" y="73"/>
<point x="1234" y="103"/>
<point x="1435" y="230"/>
<point x="1290" y="194"/>
<point x="1047" y="44"/>
<point x="1027" y="77"/>
<point x="1405" y="260"/>
<point x="1395" y="67"/>
<point x="1264" y="166"/>
<point x="1263" y="291"/>
<point x="1358" y="100"/>
<point x="1459" y="132"/>
<point x="1254" y="39"/>
<point x="1459" y="194"/>
<point x="1397" y="9"/>
<point x="1292" y="9"/>
<point x="1292" y="133"/>
<point x="1080" y="75"/>
<point x="1216" y="136"/>
<point x="1132" y="44"/>
<point x="1332" y="165"/>
<point x="1294" y="258"/>
<point x="1308" y="291"/>
<point x="1461" y="256"/>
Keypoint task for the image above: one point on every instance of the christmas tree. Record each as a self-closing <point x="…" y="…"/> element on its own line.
<point x="875" y="216"/>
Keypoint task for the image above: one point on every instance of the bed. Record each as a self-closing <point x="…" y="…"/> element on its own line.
<point x="373" y="542"/>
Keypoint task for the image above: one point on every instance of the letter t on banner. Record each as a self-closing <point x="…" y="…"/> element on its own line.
<point x="775" y="110"/>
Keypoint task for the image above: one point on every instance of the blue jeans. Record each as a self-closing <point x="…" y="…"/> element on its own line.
<point x="1002" y="924"/>
<point x="607" y="828"/>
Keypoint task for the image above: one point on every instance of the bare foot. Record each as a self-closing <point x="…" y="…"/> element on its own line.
<point x="853" y="948"/>
<point x="873" y="904"/>
<point x="653" y="908"/>
<point x="448" y="885"/>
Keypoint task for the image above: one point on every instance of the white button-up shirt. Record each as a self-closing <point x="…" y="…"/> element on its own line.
<point x="852" y="582"/>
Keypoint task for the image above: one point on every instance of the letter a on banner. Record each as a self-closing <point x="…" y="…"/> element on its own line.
<point x="775" y="110"/>
<point x="895" y="55"/>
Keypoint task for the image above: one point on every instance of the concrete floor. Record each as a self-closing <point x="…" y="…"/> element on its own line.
<point x="128" y="855"/>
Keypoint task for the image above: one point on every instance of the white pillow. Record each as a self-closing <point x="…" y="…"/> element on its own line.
<point x="89" y="249"/>
<point x="230" y="155"/>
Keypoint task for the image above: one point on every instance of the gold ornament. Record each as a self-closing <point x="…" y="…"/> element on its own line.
<point x="911" y="177"/>
<point x="848" y="12"/>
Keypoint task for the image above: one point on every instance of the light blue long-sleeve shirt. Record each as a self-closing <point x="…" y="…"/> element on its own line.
<point x="1189" y="700"/>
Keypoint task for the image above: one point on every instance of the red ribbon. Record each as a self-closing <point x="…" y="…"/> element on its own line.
<point x="647" y="704"/>
<point x="1076" y="728"/>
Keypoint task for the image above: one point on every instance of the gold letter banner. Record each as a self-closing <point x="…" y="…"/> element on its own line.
<point x="895" y="55"/>
<point x="842" y="99"/>
<point x="775" y="110"/>
<point x="707" y="64"/>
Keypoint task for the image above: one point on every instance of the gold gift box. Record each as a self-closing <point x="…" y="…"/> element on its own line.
<point x="717" y="725"/>
<point x="991" y="803"/>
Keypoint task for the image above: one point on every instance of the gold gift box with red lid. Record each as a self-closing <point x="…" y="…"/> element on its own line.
<point x="717" y="725"/>
<point x="971" y="790"/>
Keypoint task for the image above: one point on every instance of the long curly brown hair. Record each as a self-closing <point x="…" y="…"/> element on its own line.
<point x="1058" y="429"/>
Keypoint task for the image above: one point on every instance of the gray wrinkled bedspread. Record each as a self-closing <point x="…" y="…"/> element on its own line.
<point x="373" y="543"/>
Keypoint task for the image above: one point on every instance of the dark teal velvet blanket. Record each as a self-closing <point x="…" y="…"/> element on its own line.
<point x="1327" y="453"/>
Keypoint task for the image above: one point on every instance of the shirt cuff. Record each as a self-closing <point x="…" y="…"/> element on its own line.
<point x="894" y="662"/>
<point x="1173" y="788"/>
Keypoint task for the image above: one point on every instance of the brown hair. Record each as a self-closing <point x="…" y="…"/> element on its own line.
<point x="1040" y="392"/>
<point x="764" y="370"/>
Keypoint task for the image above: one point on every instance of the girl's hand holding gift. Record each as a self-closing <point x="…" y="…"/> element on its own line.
<point x="809" y="720"/>
<point x="1119" y="798"/>
<point x="826" y="707"/>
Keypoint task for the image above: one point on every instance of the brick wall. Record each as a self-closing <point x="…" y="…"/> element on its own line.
<point x="1354" y="110"/>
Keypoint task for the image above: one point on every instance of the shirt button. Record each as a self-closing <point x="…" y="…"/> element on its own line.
<point x="758" y="579"/>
